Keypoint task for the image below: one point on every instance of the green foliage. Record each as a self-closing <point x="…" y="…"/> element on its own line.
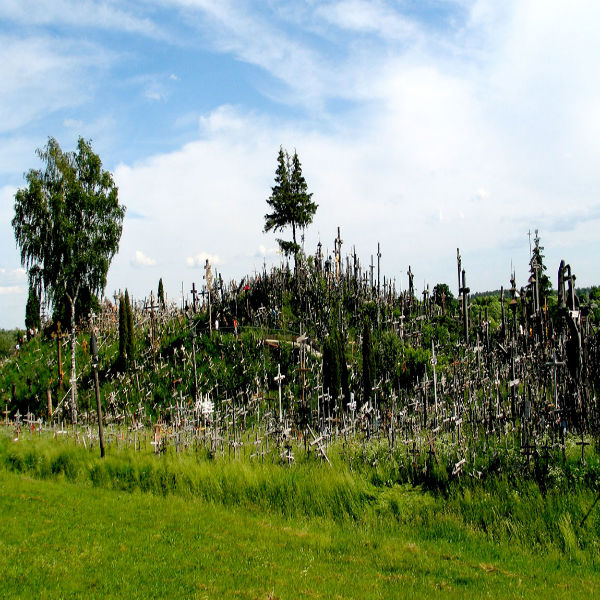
<point x="32" y="310"/>
<point x="332" y="379"/>
<point x="443" y="297"/>
<point x="8" y="341"/>
<point x="67" y="225"/>
<point x="537" y="265"/>
<point x="335" y="368"/>
<point x="161" y="293"/>
<point x="86" y="304"/>
<point x="415" y="361"/>
<point x="68" y="222"/>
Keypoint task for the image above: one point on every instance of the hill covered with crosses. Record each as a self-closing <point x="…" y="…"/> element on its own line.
<point x="330" y="347"/>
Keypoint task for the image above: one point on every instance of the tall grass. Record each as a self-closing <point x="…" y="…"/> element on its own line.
<point x="308" y="489"/>
<point x="502" y="509"/>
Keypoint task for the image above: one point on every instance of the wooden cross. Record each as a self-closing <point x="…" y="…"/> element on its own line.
<point x="279" y="378"/>
<point x="194" y="293"/>
<point x="583" y="444"/>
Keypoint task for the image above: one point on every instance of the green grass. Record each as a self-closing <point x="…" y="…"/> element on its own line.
<point x="61" y="539"/>
<point x="138" y="525"/>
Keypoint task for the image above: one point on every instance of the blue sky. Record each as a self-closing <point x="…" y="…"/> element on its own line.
<point x="422" y="125"/>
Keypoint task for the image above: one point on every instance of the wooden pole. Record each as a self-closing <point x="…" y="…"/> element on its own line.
<point x="94" y="349"/>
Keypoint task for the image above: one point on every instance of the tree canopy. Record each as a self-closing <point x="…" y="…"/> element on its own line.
<point x="290" y="201"/>
<point x="68" y="224"/>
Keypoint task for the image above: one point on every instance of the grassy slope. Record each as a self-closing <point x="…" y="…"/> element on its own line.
<point x="63" y="539"/>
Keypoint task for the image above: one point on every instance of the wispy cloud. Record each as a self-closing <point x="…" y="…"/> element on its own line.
<point x="370" y="17"/>
<point x="40" y="76"/>
<point x="80" y="13"/>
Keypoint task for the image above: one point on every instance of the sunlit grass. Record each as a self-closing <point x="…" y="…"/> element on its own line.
<point x="137" y="524"/>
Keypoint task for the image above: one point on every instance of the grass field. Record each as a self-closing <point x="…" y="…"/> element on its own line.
<point x="64" y="533"/>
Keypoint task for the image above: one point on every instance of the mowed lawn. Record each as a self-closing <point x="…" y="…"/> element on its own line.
<point x="60" y="539"/>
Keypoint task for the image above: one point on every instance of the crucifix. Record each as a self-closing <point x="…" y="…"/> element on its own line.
<point x="194" y="292"/>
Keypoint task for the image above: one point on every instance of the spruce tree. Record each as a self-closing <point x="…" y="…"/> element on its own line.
<point x="537" y="265"/>
<point x="291" y="203"/>
<point x="161" y="294"/>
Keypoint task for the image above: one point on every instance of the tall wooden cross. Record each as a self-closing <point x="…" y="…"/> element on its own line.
<point x="279" y="378"/>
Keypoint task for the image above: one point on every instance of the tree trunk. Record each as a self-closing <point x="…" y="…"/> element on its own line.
<point x="73" y="368"/>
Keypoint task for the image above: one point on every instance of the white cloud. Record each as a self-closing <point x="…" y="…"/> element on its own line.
<point x="264" y="251"/>
<point x="141" y="260"/>
<point x="199" y="260"/>
<point x="10" y="290"/>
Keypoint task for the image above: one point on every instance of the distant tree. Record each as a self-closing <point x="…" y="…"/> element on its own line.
<point x="290" y="201"/>
<point x="161" y="293"/>
<point x="368" y="360"/>
<point x="68" y="224"/>
<point x="442" y="296"/>
<point x="32" y="310"/>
